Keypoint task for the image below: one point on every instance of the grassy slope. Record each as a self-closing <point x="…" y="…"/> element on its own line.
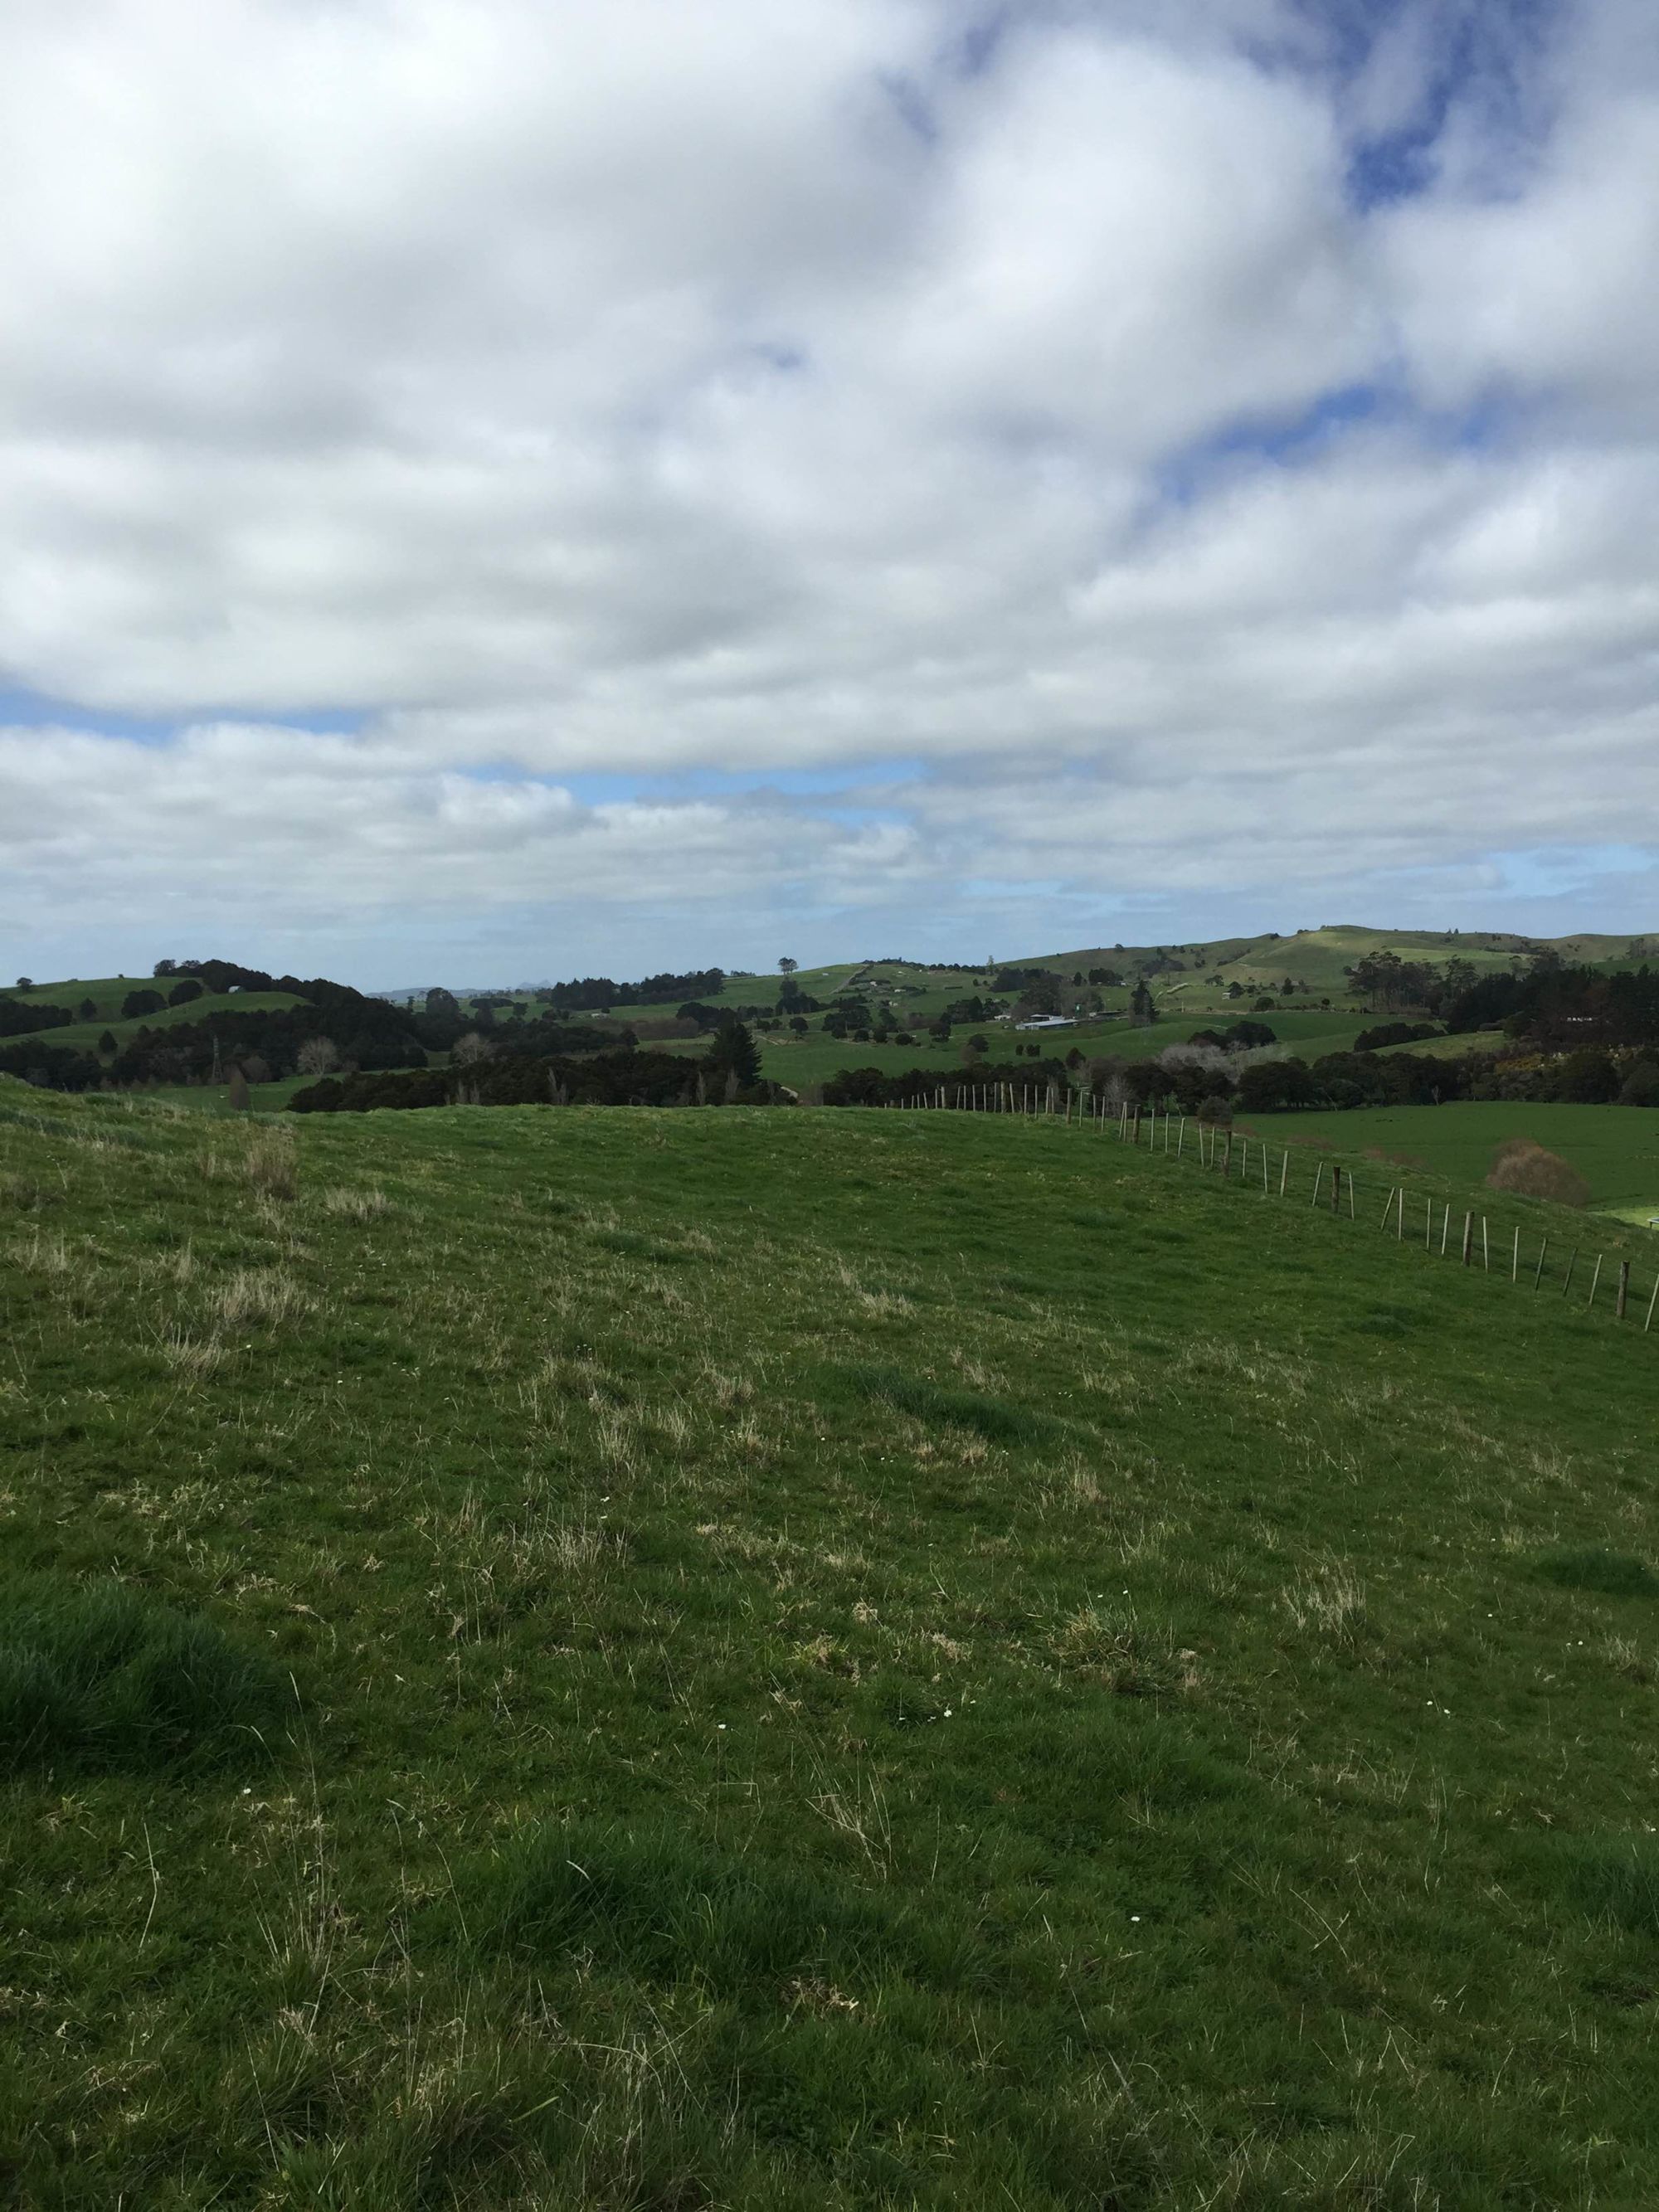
<point x="1615" y="1148"/>
<point x="106" y="992"/>
<point x="840" y="1661"/>
<point x="214" y="1099"/>
<point x="85" y="1035"/>
<point x="816" y="1056"/>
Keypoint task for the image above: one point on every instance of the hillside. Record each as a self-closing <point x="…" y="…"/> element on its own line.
<point x="1191" y="985"/>
<point x="806" y="1660"/>
<point x="238" y="1017"/>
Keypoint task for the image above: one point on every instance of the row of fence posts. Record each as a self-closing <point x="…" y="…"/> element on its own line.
<point x="1213" y="1149"/>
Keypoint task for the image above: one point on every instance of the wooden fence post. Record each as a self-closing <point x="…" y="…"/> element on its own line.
<point x="1623" y="1290"/>
<point x="1594" y="1280"/>
<point x="1319" y="1170"/>
<point x="1469" y="1238"/>
<point x="1652" y="1302"/>
<point x="1515" y="1264"/>
<point x="1336" y="1189"/>
<point x="1445" y="1228"/>
<point x="1285" y="1171"/>
<point x="1227" y="1156"/>
<point x="1388" y="1204"/>
<point x="1539" y="1276"/>
<point x="1567" y="1282"/>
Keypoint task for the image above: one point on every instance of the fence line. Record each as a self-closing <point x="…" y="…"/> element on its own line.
<point x="1215" y="1156"/>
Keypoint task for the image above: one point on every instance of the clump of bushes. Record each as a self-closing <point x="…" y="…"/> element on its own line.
<point x="101" y="1675"/>
<point x="1524" y="1167"/>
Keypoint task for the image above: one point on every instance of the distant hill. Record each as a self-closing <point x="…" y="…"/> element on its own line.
<point x="1319" y="958"/>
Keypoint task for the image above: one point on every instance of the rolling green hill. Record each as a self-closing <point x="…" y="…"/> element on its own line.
<point x="108" y="993"/>
<point x="790" y="1660"/>
<point x="1193" y="984"/>
<point x="85" y="1035"/>
<point x="1320" y="957"/>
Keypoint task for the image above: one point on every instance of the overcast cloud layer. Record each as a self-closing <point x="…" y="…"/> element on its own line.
<point x="494" y="488"/>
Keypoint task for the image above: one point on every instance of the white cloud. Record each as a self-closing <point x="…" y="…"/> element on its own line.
<point x="629" y="390"/>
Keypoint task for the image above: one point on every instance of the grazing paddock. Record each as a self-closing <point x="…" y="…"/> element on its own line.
<point x="619" y="1659"/>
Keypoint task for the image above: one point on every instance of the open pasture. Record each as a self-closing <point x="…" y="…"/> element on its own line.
<point x="765" y="1660"/>
<point x="1614" y="1148"/>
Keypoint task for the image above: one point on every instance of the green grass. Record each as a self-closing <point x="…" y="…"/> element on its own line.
<point x="106" y="992"/>
<point x="828" y="1660"/>
<point x="84" y="1036"/>
<point x="816" y="1057"/>
<point x="98" y="1675"/>
<point x="214" y="1099"/>
<point x="1615" y="1148"/>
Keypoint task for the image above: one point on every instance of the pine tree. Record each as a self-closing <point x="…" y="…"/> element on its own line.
<point x="733" y="1051"/>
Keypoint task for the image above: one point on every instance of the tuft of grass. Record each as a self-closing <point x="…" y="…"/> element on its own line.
<point x="256" y="1294"/>
<point x="936" y="1406"/>
<point x="270" y="1162"/>
<point x="355" y="1205"/>
<point x="98" y="1675"/>
<point x="661" y="1903"/>
<point x="1591" y="1567"/>
<point x="1613" y="1879"/>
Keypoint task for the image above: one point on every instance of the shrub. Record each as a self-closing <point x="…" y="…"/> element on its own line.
<point x="101" y="1675"/>
<point x="1641" y="1085"/>
<point x="1526" y="1168"/>
<point x="1217" y="1112"/>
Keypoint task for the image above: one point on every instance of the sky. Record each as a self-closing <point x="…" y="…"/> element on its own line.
<point x="498" y="490"/>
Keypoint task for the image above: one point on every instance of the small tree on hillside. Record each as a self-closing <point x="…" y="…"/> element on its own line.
<point x="733" y="1052"/>
<point x="786" y="966"/>
<point x="319" y="1055"/>
<point x="87" y="1010"/>
<point x="237" y="1097"/>
<point x="107" y="1046"/>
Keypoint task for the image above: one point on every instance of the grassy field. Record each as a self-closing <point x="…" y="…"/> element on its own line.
<point x="214" y="1099"/>
<point x="727" y="1659"/>
<point x="1614" y="1148"/>
<point x="816" y="1057"/>
<point x="84" y="1036"/>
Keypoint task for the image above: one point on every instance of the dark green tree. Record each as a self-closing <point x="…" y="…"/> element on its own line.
<point x="733" y="1051"/>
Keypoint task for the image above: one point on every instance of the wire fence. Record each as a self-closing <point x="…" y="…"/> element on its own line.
<point x="1237" y="1156"/>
